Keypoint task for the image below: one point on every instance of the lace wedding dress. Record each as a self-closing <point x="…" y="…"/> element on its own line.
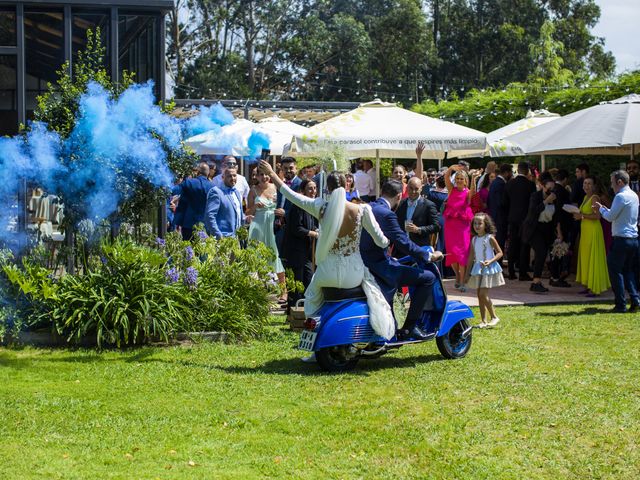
<point x="339" y="264"/>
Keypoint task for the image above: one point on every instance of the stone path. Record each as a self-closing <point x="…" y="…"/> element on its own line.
<point x="517" y="293"/>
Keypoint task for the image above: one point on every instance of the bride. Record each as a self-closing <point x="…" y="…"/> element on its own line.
<point x="339" y="264"/>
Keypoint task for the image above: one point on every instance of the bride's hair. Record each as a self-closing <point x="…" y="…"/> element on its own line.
<point x="336" y="180"/>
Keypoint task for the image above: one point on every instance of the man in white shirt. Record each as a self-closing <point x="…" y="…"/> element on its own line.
<point x="364" y="183"/>
<point x="242" y="186"/>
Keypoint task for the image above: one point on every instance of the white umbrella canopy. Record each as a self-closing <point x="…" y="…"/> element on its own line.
<point x="280" y="132"/>
<point x="385" y="130"/>
<point x="499" y="147"/>
<point x="610" y="128"/>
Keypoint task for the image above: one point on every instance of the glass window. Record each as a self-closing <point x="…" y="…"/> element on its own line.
<point x="8" y="100"/>
<point x="137" y="47"/>
<point x="7" y="27"/>
<point x="44" y="52"/>
<point x="90" y="21"/>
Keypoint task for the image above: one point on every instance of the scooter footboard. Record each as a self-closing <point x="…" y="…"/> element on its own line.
<point x="346" y="330"/>
<point x="453" y="313"/>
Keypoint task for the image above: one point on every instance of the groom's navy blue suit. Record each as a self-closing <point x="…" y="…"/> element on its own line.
<point x="390" y="274"/>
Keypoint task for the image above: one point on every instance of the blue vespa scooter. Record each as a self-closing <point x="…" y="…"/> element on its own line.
<point x="340" y="334"/>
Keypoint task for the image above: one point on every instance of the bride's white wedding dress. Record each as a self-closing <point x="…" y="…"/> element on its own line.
<point x="339" y="264"/>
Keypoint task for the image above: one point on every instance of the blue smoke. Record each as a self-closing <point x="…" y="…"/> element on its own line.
<point x="209" y="118"/>
<point x="113" y="142"/>
<point x="257" y="141"/>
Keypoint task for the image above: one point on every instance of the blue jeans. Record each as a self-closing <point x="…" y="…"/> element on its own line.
<point x="622" y="260"/>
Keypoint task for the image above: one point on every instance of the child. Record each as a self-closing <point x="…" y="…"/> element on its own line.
<point x="483" y="270"/>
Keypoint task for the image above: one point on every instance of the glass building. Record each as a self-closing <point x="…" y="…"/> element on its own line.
<point x="38" y="36"/>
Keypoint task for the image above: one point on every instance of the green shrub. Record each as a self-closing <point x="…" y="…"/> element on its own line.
<point x="126" y="300"/>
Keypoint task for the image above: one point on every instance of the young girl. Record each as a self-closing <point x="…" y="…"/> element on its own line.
<point x="483" y="269"/>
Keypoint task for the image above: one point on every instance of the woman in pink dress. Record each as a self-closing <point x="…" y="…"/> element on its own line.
<point x="458" y="216"/>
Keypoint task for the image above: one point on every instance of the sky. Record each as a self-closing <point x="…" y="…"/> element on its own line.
<point x="620" y="26"/>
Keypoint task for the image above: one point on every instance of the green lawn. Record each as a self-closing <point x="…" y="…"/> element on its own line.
<point x="553" y="392"/>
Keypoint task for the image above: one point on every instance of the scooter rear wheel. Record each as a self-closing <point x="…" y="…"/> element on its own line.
<point x="453" y="344"/>
<point x="337" y="359"/>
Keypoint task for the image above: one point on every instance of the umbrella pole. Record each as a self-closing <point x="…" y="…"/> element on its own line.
<point x="377" y="173"/>
<point x="543" y="162"/>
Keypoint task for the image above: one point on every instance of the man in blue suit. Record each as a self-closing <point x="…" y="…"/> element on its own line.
<point x="193" y="198"/>
<point x="389" y="273"/>
<point x="223" y="215"/>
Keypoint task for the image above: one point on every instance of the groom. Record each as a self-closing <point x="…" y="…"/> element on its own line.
<point x="389" y="273"/>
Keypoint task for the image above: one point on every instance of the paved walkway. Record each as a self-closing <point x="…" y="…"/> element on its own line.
<point x="517" y="293"/>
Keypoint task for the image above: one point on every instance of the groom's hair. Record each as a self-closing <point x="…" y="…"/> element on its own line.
<point x="391" y="188"/>
<point x="335" y="180"/>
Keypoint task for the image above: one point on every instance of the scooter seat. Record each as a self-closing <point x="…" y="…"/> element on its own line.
<point x="338" y="294"/>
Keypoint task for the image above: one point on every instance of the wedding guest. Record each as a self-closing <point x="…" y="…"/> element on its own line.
<point x="633" y="169"/>
<point x="289" y="169"/>
<point x="241" y="183"/>
<point x="418" y="215"/>
<point x="352" y="192"/>
<point x="490" y="169"/>
<point x="399" y="173"/>
<point x="458" y="216"/>
<point x="223" y="213"/>
<point x="559" y="266"/>
<point x="592" y="257"/>
<point x="363" y="182"/>
<point x="438" y="195"/>
<point x="301" y="232"/>
<point x="539" y="227"/>
<point x="428" y="180"/>
<point x="497" y="209"/>
<point x="621" y="260"/>
<point x="193" y="200"/>
<point x="480" y="199"/>
<point x="577" y="192"/>
<point x="516" y="201"/>
<point x="261" y="203"/>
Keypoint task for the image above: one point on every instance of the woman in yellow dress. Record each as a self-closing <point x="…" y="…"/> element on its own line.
<point x="592" y="258"/>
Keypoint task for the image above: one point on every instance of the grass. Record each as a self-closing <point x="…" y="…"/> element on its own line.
<point x="553" y="392"/>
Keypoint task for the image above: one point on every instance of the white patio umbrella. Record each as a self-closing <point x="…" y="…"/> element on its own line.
<point x="610" y="128"/>
<point x="280" y="131"/>
<point x="499" y="147"/>
<point x="379" y="129"/>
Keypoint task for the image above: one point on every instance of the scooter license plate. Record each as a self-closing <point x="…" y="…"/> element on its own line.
<point x="307" y="340"/>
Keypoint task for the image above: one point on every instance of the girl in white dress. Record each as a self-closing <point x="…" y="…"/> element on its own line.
<point x="339" y="264"/>
<point x="484" y="271"/>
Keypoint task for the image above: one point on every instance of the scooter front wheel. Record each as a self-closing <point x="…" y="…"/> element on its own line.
<point x="456" y="342"/>
<point x="340" y="358"/>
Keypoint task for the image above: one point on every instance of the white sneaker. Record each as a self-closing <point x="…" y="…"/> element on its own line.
<point x="494" y="322"/>
<point x="482" y="324"/>
<point x="310" y="359"/>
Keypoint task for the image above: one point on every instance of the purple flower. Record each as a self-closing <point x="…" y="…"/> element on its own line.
<point x="203" y="235"/>
<point x="160" y="242"/>
<point x="191" y="277"/>
<point x="172" y="275"/>
<point x="189" y="253"/>
<point x="103" y="259"/>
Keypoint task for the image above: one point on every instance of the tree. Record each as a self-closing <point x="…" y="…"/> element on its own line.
<point x="547" y="58"/>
